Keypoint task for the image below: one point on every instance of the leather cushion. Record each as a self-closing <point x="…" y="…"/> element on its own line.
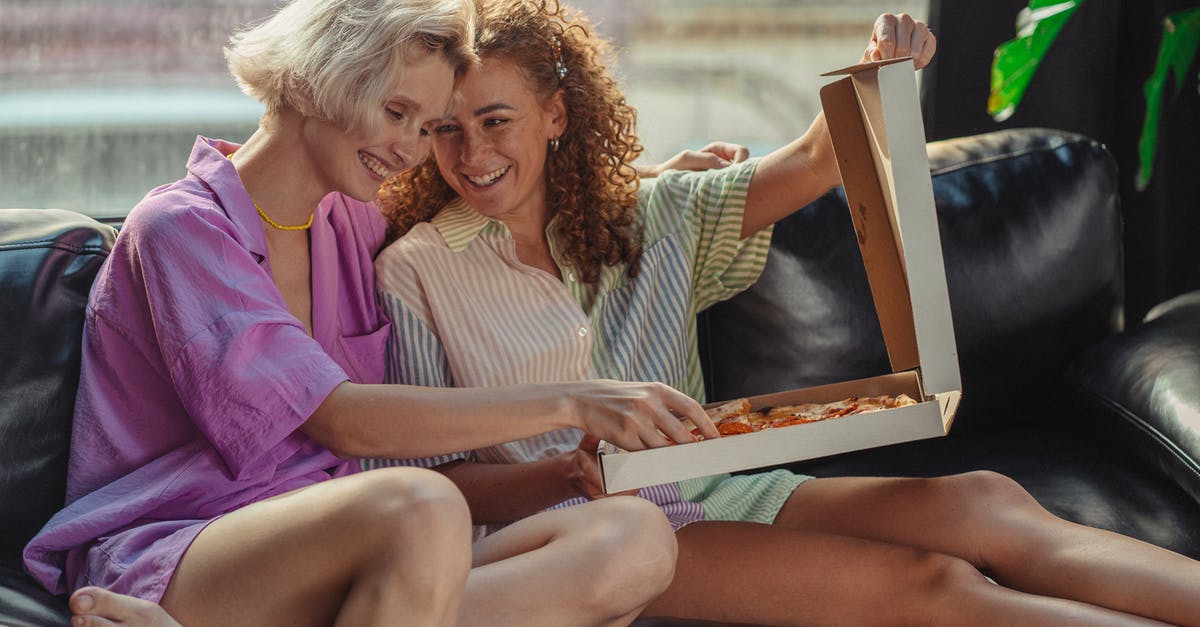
<point x="48" y="259"/>
<point x="1147" y="382"/>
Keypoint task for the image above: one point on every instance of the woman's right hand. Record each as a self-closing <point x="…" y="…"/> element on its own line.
<point x="635" y="415"/>
<point x="582" y="470"/>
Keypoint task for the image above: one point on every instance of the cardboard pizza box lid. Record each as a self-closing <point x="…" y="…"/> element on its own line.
<point x="879" y="141"/>
<point x="874" y="120"/>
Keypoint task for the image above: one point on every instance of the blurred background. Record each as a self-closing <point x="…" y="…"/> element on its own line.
<point x="101" y="100"/>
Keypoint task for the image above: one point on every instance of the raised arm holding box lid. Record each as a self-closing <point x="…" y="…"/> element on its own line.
<point x="528" y="251"/>
<point x="800" y="172"/>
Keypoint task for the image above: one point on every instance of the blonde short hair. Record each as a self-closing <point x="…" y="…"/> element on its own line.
<point x="337" y="59"/>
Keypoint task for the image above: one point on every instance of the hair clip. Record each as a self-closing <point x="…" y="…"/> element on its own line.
<point x="559" y="67"/>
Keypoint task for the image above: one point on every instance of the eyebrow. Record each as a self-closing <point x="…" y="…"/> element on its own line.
<point x="406" y="103"/>
<point x="493" y="107"/>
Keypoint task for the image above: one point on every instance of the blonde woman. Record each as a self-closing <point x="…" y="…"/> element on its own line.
<point x="232" y="362"/>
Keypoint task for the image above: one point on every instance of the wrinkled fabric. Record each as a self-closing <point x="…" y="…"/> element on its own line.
<point x="195" y="376"/>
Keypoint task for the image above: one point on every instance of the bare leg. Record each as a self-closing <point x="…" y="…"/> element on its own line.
<point x="369" y="549"/>
<point x="97" y="607"/>
<point x="993" y="523"/>
<point x="764" y="574"/>
<point x="598" y="563"/>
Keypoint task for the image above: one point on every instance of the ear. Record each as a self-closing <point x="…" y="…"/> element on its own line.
<point x="556" y="110"/>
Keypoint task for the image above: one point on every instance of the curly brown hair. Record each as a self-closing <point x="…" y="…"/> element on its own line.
<point x="590" y="180"/>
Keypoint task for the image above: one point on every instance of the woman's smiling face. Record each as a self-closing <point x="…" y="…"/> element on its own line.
<point x="356" y="163"/>
<point x="492" y="149"/>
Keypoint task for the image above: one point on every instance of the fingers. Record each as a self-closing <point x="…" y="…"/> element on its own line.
<point x="589" y="443"/>
<point x="669" y="422"/>
<point x="714" y="156"/>
<point x="639" y="415"/>
<point x="685" y="406"/>
<point x="895" y="36"/>
<point x="904" y="32"/>
<point x="592" y="481"/>
<point x="923" y="55"/>
<point x="697" y="160"/>
<point x="727" y="152"/>
<point x="704" y="160"/>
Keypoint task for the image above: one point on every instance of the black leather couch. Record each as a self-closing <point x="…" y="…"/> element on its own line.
<point x="1100" y="424"/>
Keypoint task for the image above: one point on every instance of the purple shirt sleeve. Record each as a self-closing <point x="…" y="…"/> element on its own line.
<point x="241" y="365"/>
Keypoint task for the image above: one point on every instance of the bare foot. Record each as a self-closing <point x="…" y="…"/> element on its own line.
<point x="97" y="607"/>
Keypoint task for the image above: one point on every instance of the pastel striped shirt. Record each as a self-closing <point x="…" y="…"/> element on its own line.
<point x="466" y="312"/>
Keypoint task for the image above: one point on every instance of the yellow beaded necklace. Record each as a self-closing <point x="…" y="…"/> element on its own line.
<point x="282" y="227"/>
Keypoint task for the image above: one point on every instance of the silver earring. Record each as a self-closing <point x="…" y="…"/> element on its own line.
<point x="554" y="144"/>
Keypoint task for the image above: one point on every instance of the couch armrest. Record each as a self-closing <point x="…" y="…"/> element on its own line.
<point x="1148" y="380"/>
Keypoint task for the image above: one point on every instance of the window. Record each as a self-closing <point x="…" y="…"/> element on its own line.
<point x="101" y="100"/>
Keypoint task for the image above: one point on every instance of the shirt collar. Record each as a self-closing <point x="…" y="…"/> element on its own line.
<point x="210" y="163"/>
<point x="459" y="225"/>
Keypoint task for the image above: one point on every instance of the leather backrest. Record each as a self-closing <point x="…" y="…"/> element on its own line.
<point x="1031" y="236"/>
<point x="48" y="259"/>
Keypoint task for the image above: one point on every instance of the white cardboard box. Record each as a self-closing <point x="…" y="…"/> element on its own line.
<point x="875" y="120"/>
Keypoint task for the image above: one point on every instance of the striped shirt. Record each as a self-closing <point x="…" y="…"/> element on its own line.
<point x="466" y="312"/>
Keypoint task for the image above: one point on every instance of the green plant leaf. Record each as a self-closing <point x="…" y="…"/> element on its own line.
<point x="1016" y="60"/>
<point x="1180" y="43"/>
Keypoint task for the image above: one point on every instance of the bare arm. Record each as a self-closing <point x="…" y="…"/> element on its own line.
<point x="358" y="420"/>
<point x="508" y="492"/>
<point x="499" y="493"/>
<point x="802" y="171"/>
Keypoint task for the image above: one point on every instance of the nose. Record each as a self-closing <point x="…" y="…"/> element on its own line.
<point x="410" y="147"/>
<point x="471" y="147"/>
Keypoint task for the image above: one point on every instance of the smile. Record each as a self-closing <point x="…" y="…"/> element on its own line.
<point x="375" y="165"/>
<point x="488" y="179"/>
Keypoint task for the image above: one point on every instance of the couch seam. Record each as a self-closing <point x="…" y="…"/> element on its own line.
<point x="1142" y="425"/>
<point x="1010" y="155"/>
<point x="53" y="243"/>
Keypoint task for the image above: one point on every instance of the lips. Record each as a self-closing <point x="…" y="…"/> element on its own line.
<point x="379" y="168"/>
<point x="489" y="179"/>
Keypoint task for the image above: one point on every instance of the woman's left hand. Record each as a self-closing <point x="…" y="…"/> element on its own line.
<point x="900" y="35"/>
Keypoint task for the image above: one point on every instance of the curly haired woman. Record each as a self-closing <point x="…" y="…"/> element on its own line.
<point x="531" y="253"/>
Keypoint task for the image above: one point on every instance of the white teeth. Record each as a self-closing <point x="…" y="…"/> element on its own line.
<point x="489" y="178"/>
<point x="374" y="165"/>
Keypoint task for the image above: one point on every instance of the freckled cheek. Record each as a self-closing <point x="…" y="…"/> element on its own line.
<point x="442" y="150"/>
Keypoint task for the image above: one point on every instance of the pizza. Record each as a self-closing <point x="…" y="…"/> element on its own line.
<point x="736" y="416"/>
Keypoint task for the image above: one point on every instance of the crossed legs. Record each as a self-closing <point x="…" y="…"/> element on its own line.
<point x="393" y="544"/>
<point x="900" y="551"/>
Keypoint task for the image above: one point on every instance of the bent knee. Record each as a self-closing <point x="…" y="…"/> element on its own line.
<point x="630" y="521"/>
<point x="631" y="540"/>
<point x="396" y="499"/>
<point x="993" y="489"/>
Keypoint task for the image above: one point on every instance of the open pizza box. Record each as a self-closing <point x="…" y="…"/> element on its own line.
<point x="875" y="121"/>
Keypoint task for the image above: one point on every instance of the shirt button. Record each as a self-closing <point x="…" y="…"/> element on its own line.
<point x="571" y="277"/>
<point x="582" y="331"/>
